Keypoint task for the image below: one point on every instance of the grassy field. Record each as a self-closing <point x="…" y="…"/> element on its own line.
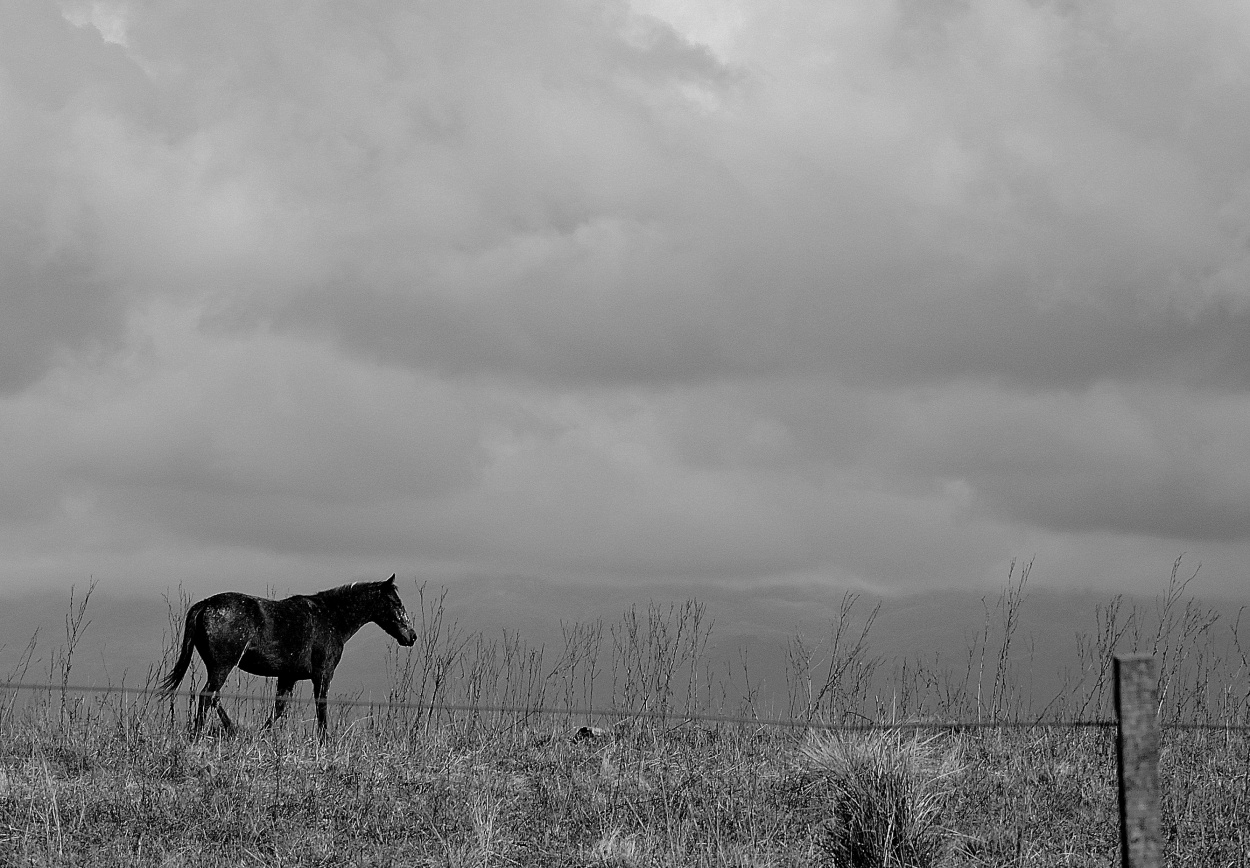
<point x="116" y="779"/>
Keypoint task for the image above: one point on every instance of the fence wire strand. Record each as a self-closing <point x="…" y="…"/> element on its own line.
<point x="642" y="714"/>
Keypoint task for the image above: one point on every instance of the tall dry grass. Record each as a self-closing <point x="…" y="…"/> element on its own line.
<point x="495" y="751"/>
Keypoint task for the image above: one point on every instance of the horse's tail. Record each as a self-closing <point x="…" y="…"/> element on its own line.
<point x="171" y="681"/>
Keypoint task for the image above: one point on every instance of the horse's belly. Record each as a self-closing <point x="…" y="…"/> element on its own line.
<point x="271" y="667"/>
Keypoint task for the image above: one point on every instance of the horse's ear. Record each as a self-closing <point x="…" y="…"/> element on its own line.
<point x="391" y="580"/>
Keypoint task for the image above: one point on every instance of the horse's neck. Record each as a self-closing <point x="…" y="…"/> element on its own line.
<point x="349" y="616"/>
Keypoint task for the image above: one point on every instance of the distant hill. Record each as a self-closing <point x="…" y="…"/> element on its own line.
<point x="125" y="636"/>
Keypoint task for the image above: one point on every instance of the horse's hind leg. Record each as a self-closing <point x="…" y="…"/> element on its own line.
<point x="225" y="719"/>
<point x="201" y="710"/>
<point x="210" y="697"/>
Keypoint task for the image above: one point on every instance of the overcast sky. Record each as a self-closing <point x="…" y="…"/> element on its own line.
<point x="880" y="295"/>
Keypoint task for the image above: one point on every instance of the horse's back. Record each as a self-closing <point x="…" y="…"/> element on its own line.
<point x="229" y="603"/>
<point x="286" y="621"/>
<point x="230" y="618"/>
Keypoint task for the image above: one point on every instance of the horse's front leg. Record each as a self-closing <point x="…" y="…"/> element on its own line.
<point x="285" y="686"/>
<point x="321" y="689"/>
<point x="322" y="725"/>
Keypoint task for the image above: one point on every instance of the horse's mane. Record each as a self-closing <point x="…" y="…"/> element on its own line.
<point x="351" y="589"/>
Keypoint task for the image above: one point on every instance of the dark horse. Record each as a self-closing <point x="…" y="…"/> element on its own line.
<point x="292" y="639"/>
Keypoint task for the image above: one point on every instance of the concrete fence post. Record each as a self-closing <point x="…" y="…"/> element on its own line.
<point x="1137" y="760"/>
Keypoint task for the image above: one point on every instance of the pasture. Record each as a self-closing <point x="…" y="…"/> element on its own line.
<point x="479" y="758"/>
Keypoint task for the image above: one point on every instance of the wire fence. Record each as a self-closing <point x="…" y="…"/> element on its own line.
<point x="814" y="723"/>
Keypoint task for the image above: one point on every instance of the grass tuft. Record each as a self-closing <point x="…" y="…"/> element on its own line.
<point x="889" y="795"/>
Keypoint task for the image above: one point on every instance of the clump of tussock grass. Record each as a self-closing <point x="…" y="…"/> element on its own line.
<point x="889" y="795"/>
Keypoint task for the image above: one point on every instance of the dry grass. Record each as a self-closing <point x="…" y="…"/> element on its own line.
<point x="100" y="793"/>
<point x="117" y="780"/>
<point x="890" y="794"/>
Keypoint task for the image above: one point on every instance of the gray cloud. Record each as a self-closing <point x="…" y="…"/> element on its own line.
<point x="925" y="228"/>
<point x="1145" y="461"/>
<point x="581" y="196"/>
<point x="56" y="292"/>
<point x="871" y="293"/>
<point x="566" y="338"/>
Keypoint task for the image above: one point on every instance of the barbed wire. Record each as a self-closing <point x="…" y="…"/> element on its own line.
<point x="611" y="712"/>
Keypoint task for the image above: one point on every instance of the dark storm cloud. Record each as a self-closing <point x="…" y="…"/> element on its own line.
<point x="1143" y="461"/>
<point x="1068" y="345"/>
<point x="1177" y="506"/>
<point x="663" y="340"/>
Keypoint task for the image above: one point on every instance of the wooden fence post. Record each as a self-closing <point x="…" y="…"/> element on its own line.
<point x="1137" y="760"/>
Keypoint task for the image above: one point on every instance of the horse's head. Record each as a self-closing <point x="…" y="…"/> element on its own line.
<point x="391" y="615"/>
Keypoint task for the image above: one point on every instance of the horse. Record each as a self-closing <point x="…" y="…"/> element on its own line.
<point x="298" y="638"/>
